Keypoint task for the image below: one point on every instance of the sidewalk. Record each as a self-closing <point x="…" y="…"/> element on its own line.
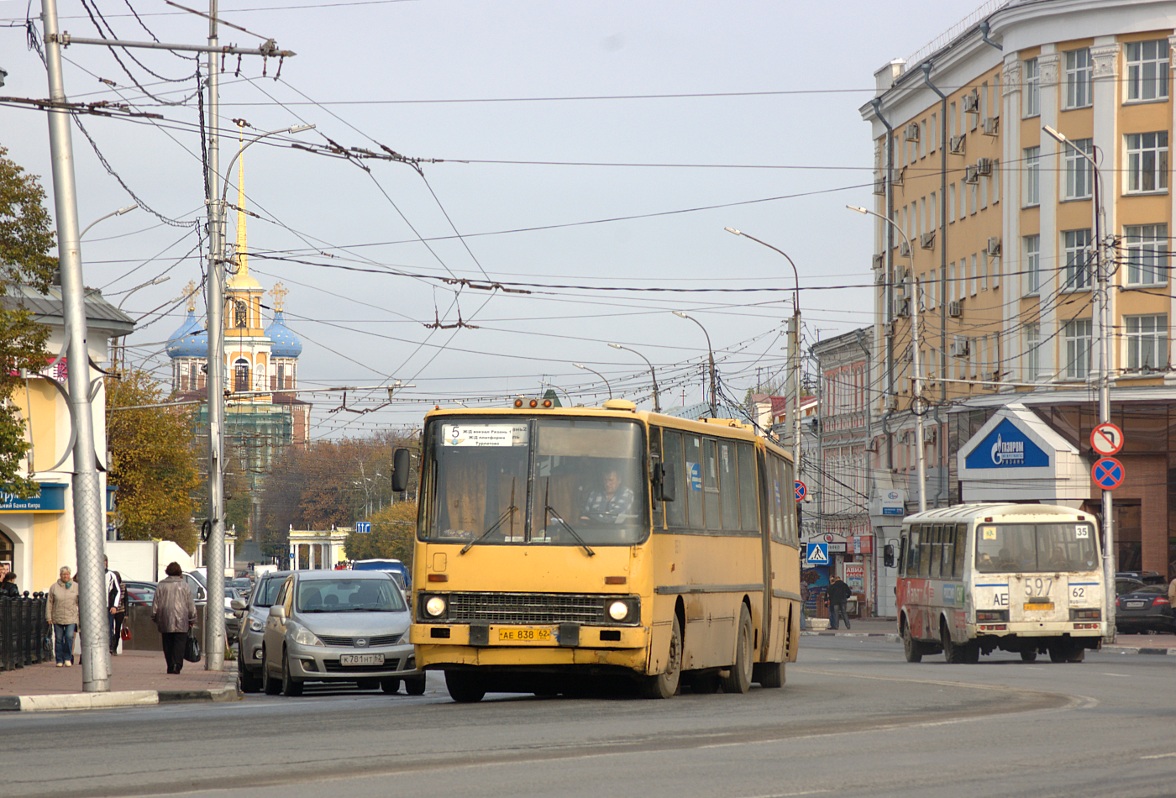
<point x="138" y="678"/>
<point x="887" y="627"/>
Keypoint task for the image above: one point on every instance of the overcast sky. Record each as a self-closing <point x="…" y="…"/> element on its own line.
<point x="582" y="156"/>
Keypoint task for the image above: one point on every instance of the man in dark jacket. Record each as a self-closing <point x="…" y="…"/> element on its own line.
<point x="838" y="594"/>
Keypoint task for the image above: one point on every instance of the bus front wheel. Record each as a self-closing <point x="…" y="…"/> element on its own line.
<point x="738" y="680"/>
<point x="665" y="684"/>
<point x="464" y="688"/>
<point x="910" y="647"/>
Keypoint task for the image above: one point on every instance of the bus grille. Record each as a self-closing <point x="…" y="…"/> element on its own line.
<point x="527" y="608"/>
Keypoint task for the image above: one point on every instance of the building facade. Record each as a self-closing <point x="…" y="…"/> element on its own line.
<point x="1023" y="182"/>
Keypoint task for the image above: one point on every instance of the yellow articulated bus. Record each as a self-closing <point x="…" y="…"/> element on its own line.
<point x="556" y="545"/>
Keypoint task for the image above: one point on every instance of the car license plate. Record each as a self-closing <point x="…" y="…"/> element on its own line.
<point x="1135" y="605"/>
<point x="361" y="659"/>
<point x="541" y="635"/>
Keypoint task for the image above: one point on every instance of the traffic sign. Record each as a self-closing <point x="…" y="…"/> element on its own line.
<point x="1106" y="439"/>
<point x="800" y="490"/>
<point x="1108" y="473"/>
<point x="817" y="554"/>
<point x="363" y="527"/>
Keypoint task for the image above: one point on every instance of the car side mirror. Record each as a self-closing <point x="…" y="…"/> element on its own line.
<point x="237" y="604"/>
<point x="401" y="463"/>
<point x="888" y="555"/>
<point x="201" y="595"/>
<point x="278" y="611"/>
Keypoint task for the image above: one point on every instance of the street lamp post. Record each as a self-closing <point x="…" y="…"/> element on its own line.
<point x="119" y="212"/>
<point x="214" y="627"/>
<point x="598" y="374"/>
<point x="917" y="406"/>
<point x="710" y="352"/>
<point x="652" y="373"/>
<point x="794" y="335"/>
<point x="1104" y="370"/>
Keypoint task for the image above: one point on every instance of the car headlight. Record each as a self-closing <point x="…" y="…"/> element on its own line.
<point x="256" y="625"/>
<point x="435" y="606"/>
<point x="305" y="637"/>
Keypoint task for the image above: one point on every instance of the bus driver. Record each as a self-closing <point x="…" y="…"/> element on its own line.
<point x="611" y="505"/>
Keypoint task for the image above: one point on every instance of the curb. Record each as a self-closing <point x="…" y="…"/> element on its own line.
<point x="124" y="698"/>
<point x="894" y="637"/>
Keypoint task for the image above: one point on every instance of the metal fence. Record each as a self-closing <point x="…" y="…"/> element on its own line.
<point x="24" y="632"/>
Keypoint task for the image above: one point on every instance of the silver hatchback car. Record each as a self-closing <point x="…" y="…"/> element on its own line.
<point x="339" y="626"/>
<point x="253" y="615"/>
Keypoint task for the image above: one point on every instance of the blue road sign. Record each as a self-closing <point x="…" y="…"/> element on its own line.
<point x="817" y="554"/>
<point x="1108" y="473"/>
<point x="363" y="527"/>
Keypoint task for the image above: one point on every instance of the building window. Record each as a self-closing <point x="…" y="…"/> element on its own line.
<point x="1078" y="171"/>
<point x="1032" y="250"/>
<point x="1147" y="161"/>
<point x="240" y="376"/>
<point x="1077" y="78"/>
<point x="1032" y="157"/>
<point x="1077" y="334"/>
<point x="1147" y="70"/>
<point x="240" y="314"/>
<point x="1032" y="351"/>
<point x="1031" y="101"/>
<point x="1147" y="342"/>
<point x="1079" y="261"/>
<point x="1147" y="254"/>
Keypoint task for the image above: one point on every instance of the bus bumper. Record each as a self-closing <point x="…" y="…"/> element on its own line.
<point x="545" y="646"/>
<point x="1038" y="630"/>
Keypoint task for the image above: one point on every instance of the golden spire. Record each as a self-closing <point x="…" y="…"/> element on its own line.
<point x="241" y="278"/>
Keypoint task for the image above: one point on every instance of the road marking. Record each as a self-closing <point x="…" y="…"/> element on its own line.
<point x="1159" y="756"/>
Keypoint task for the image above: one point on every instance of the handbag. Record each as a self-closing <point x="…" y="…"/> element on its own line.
<point x="126" y="633"/>
<point x="192" y="647"/>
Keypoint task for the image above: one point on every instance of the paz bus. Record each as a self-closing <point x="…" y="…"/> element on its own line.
<point x="975" y="578"/>
<point x="530" y="575"/>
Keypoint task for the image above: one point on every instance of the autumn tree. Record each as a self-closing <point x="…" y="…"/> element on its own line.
<point x="26" y="240"/>
<point x="392" y="535"/>
<point x="153" y="461"/>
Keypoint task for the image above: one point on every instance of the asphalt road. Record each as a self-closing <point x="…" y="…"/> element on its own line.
<point x="852" y="720"/>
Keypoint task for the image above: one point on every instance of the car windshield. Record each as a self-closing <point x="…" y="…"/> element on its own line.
<point x="349" y="595"/>
<point x="1004" y="547"/>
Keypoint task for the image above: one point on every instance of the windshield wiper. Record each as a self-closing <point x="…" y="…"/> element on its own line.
<point x="509" y="513"/>
<point x="551" y="513"/>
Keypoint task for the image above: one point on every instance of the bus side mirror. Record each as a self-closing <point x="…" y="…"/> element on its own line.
<point x="663" y="481"/>
<point x="888" y="555"/>
<point x="400" y="466"/>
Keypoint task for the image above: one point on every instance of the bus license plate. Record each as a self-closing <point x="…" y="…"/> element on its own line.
<point x="525" y="636"/>
<point x="1039" y="605"/>
<point x="361" y="659"/>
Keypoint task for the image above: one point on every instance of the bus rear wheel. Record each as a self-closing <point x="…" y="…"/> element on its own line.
<point x="464" y="688"/>
<point x="1029" y="656"/>
<point x="738" y="680"/>
<point x="665" y="684"/>
<point x="768" y="674"/>
<point x="910" y="647"/>
<point x="953" y="653"/>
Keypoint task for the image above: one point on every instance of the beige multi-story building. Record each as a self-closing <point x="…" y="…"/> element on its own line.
<point x="1021" y="164"/>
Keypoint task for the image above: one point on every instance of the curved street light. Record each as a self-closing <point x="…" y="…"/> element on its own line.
<point x="119" y="212"/>
<point x="795" y="346"/>
<point x="652" y="373"/>
<point x="714" y="399"/>
<point x="598" y="374"/>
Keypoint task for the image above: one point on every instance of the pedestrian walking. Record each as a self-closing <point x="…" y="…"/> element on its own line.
<point x="8" y="587"/>
<point x="838" y="594"/>
<point x="174" y="613"/>
<point x="61" y="610"/>
<point x="804" y="599"/>
<point x="115" y="603"/>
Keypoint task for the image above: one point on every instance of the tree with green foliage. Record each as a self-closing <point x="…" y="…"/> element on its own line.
<point x="153" y="461"/>
<point x="26" y="241"/>
<point x="392" y="535"/>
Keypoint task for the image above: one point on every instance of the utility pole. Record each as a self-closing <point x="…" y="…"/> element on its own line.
<point x="88" y="507"/>
<point x="918" y="407"/>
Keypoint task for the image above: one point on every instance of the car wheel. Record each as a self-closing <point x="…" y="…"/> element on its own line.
<point x="271" y="685"/>
<point x="390" y="686"/>
<point x="250" y="682"/>
<point x="290" y="686"/>
<point x="415" y="685"/>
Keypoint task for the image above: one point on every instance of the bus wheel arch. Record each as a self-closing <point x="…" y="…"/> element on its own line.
<point x="666" y="683"/>
<point x="739" y="675"/>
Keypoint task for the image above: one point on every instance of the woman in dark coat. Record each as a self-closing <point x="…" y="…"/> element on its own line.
<point x="174" y="612"/>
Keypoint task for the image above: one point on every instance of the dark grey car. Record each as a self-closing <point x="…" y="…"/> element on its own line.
<point x="253" y="614"/>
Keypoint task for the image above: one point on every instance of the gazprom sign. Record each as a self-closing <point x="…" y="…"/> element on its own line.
<point x="1006" y="446"/>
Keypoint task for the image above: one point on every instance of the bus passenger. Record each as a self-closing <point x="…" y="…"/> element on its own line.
<point x="610" y="505"/>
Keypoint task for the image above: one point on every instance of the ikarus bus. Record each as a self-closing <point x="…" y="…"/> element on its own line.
<point x="976" y="578"/>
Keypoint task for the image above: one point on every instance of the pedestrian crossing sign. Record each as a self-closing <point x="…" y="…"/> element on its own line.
<point x="817" y="554"/>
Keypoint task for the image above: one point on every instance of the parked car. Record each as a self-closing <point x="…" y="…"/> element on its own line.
<point x="339" y="626"/>
<point x="138" y="592"/>
<point x="252" y="615"/>
<point x="1147" y="577"/>
<point x="1145" y="609"/>
<point x="1127" y="584"/>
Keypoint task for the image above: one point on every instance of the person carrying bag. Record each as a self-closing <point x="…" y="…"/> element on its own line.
<point x="174" y="613"/>
<point x="192" y="646"/>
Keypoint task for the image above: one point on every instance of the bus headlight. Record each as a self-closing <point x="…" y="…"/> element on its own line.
<point x="435" y="606"/>
<point x="618" y="610"/>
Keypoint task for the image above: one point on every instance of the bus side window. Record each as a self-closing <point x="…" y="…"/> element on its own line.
<point x="729" y="480"/>
<point x="655" y="459"/>
<point x="932" y="556"/>
<point x="711" y="485"/>
<point x="948" y="552"/>
<point x="693" y="476"/>
<point x="672" y="456"/>
<point x="961" y="548"/>
<point x="747" y="487"/>
<point x="902" y="548"/>
<point x="912" y="568"/>
<point x="925" y="551"/>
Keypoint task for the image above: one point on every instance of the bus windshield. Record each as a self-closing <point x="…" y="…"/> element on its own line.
<point x="1035" y="547"/>
<point x="548" y="480"/>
